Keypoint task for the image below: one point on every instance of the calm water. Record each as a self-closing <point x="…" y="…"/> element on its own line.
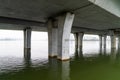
<point x="93" y="65"/>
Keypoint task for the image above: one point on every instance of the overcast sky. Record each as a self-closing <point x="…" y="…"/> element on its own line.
<point x="35" y="35"/>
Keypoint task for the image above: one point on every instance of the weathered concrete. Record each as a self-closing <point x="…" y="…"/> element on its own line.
<point x="80" y="41"/>
<point x="104" y="43"/>
<point x="113" y="39"/>
<point x="112" y="5"/>
<point x="89" y="19"/>
<point x="118" y="42"/>
<point x="27" y="56"/>
<point x="100" y="40"/>
<point x="36" y="13"/>
<point x="78" y="44"/>
<point x="52" y="39"/>
<point x="27" y="42"/>
<point x="64" y="30"/>
<point x="76" y="41"/>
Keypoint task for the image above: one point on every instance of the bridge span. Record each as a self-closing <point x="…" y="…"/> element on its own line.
<point x="60" y="18"/>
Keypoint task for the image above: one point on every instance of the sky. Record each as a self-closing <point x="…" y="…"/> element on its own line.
<point x="17" y="34"/>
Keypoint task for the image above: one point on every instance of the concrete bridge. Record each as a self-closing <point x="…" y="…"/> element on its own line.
<point x="61" y="17"/>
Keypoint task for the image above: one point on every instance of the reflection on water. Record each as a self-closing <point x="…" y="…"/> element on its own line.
<point x="59" y="70"/>
<point x="91" y="63"/>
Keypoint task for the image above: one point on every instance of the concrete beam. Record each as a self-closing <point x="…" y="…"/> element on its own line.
<point x="16" y="21"/>
<point x="88" y="30"/>
<point x="43" y="28"/>
<point x="113" y="6"/>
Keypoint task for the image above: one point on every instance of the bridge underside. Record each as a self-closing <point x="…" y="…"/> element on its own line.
<point x="59" y="18"/>
<point x="19" y="14"/>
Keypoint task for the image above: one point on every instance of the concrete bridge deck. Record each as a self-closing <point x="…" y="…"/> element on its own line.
<point x="36" y="13"/>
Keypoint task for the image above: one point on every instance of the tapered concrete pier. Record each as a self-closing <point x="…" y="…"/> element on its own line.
<point x="64" y="29"/>
<point x="27" y="43"/>
<point x="59" y="35"/>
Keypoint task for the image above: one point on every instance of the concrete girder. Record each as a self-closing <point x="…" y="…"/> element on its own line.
<point x="88" y="31"/>
<point x="112" y="6"/>
<point x="16" y="21"/>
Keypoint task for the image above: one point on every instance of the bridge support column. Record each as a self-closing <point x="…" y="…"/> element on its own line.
<point x="113" y="40"/>
<point x="64" y="29"/>
<point x="119" y="42"/>
<point x="80" y="41"/>
<point x="101" y="42"/>
<point x="105" y="44"/>
<point x="27" y="43"/>
<point x="52" y="39"/>
<point x="76" y="42"/>
<point x="105" y="41"/>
